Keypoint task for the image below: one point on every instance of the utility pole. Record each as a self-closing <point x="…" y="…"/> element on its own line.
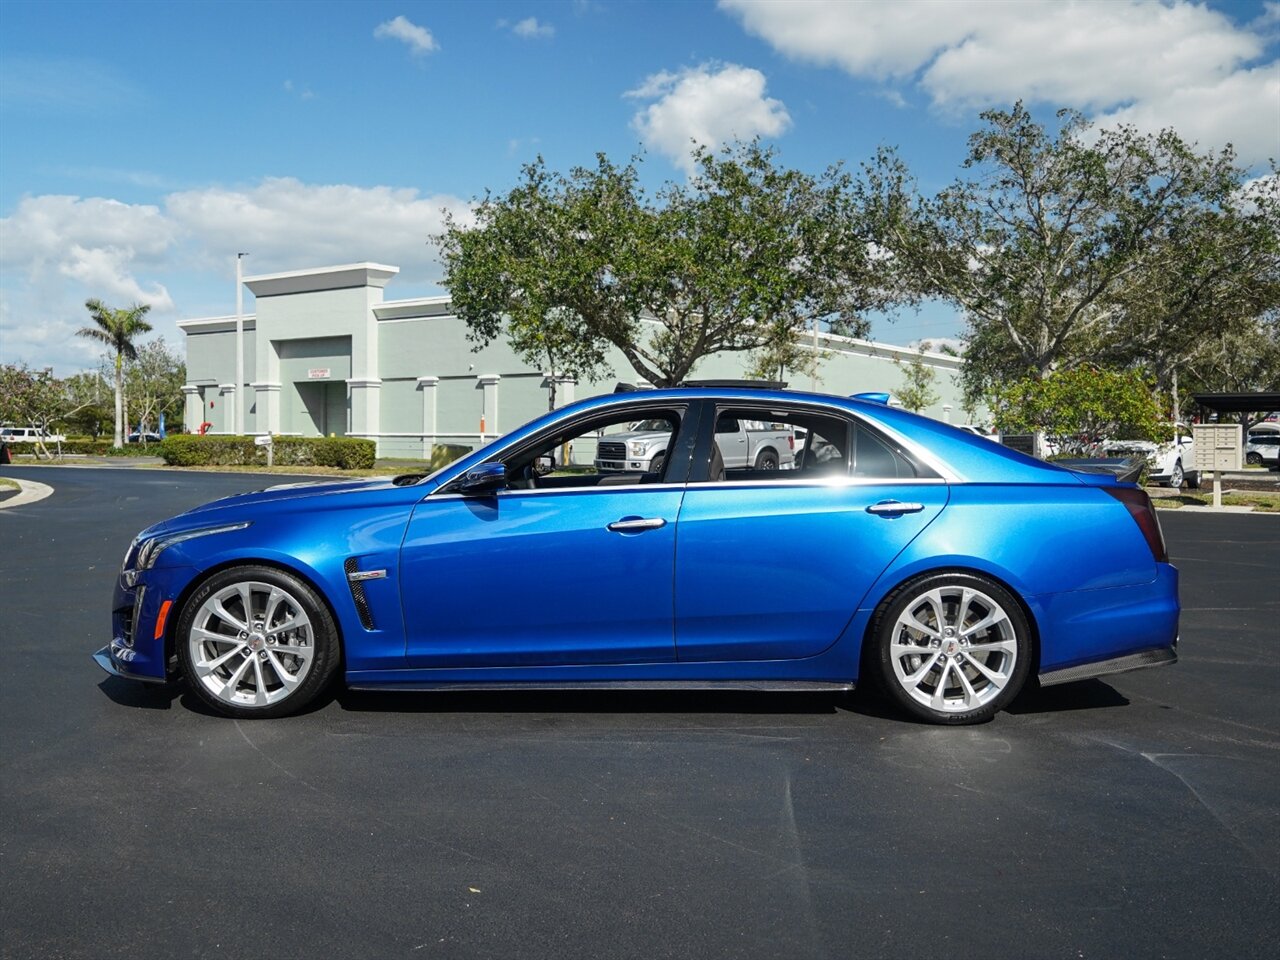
<point x="237" y="421"/>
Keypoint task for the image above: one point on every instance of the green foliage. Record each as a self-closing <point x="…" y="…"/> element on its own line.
<point x="85" y="446"/>
<point x="1078" y="407"/>
<point x="190" y="450"/>
<point x="117" y="330"/>
<point x="1079" y="244"/>
<point x="916" y="392"/>
<point x="153" y="381"/>
<point x="34" y="398"/>
<point x="744" y="255"/>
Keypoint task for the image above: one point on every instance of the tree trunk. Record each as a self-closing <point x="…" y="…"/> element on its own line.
<point x="119" y="438"/>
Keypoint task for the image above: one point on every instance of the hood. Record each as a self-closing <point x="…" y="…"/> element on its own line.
<point x="296" y="491"/>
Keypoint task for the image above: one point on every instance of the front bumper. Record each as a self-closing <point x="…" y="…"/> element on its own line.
<point x="116" y="659"/>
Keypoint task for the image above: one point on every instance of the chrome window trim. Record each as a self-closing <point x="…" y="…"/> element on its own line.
<point x="644" y="399"/>
<point x="829" y="482"/>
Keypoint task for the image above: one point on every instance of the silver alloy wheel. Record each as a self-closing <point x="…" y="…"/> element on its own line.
<point x="251" y="644"/>
<point x="1176" y="478"/>
<point x="953" y="649"/>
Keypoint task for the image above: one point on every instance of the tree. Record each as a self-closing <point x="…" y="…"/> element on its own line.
<point x="916" y="391"/>
<point x="117" y="329"/>
<point x="88" y="392"/>
<point x="520" y="269"/>
<point x="34" y="398"/>
<point x="1244" y="361"/>
<point x="153" y="383"/>
<point x="588" y="260"/>
<point x="784" y="350"/>
<point x="1042" y="246"/>
<point x="1078" y="407"/>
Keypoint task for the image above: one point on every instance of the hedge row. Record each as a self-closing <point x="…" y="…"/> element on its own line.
<point x="189" y="450"/>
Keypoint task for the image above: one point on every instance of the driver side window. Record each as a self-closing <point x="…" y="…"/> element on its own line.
<point x="619" y="449"/>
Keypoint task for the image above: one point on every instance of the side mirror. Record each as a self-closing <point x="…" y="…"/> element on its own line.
<point x="486" y="478"/>
<point x="543" y="465"/>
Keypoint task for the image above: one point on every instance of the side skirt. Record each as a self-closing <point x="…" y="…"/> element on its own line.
<point x="1134" y="661"/>
<point x="777" y="686"/>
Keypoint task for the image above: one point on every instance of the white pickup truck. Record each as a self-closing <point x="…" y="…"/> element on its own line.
<point x="742" y="443"/>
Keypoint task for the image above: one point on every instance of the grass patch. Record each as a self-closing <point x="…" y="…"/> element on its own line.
<point x="1261" y="502"/>
<point x="7" y="484"/>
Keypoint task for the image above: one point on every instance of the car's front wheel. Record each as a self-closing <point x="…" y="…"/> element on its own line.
<point x="1253" y="459"/>
<point x="952" y="648"/>
<point x="1176" y="477"/>
<point x="256" y="642"/>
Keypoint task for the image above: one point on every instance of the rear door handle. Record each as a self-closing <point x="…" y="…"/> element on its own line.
<point x="892" y="508"/>
<point x="637" y="524"/>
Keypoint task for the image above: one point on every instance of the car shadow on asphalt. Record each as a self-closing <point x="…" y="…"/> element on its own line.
<point x="868" y="702"/>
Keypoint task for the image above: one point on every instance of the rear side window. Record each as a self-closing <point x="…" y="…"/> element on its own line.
<point x="877" y="457"/>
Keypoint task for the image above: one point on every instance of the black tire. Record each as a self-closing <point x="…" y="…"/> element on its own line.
<point x="658" y="463"/>
<point x="323" y="640"/>
<point x="1253" y="458"/>
<point x="1193" y="480"/>
<point x="1177" y="477"/>
<point x="768" y="460"/>
<point x="949" y="654"/>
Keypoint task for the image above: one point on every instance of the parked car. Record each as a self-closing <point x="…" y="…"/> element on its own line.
<point x="147" y="436"/>
<point x="1262" y="448"/>
<point x="901" y="551"/>
<point x="1170" y="462"/>
<point x="29" y="435"/>
<point x="742" y="443"/>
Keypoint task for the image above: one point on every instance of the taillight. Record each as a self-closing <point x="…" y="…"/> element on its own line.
<point x="1144" y="515"/>
<point x="791" y="440"/>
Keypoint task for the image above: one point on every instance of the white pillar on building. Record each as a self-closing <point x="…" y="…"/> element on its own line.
<point x="429" y="414"/>
<point x="192" y="408"/>
<point x="268" y="397"/>
<point x="946" y="413"/>
<point x="488" y="404"/>
<point x="227" y="421"/>
<point x="366" y="408"/>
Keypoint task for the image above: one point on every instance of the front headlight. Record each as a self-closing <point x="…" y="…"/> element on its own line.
<point x="152" y="549"/>
<point x="638" y="449"/>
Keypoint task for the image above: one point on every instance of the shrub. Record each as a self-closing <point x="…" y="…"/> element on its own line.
<point x="346" y="453"/>
<point x="87" y="447"/>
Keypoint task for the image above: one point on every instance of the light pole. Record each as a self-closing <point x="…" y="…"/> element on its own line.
<point x="237" y="422"/>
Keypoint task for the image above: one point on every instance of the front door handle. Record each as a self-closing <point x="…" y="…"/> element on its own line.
<point x="892" y="508"/>
<point x="637" y="524"/>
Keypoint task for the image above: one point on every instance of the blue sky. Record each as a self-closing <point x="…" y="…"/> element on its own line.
<point x="143" y="144"/>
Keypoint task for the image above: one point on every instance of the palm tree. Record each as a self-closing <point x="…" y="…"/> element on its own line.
<point x="117" y="329"/>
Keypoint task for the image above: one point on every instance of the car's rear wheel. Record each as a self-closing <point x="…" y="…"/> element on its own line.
<point x="952" y="648"/>
<point x="256" y="642"/>
<point x="767" y="461"/>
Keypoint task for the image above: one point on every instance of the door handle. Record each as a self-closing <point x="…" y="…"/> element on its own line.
<point x="892" y="508"/>
<point x="637" y="524"/>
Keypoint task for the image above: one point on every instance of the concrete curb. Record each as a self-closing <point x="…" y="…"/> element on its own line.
<point x="30" y="492"/>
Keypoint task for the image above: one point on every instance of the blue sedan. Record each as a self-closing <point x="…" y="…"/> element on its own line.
<point x="943" y="567"/>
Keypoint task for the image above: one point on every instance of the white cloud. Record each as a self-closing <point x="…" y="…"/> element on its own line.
<point x="59" y="251"/>
<point x="419" y="39"/>
<point x="1146" y="62"/>
<point x="529" y="28"/>
<point x="708" y="105"/>
<point x="286" y="224"/>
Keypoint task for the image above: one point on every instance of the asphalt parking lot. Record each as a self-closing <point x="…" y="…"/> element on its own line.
<point x="1137" y="817"/>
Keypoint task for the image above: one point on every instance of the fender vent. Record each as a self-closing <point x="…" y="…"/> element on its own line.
<point x="357" y="594"/>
